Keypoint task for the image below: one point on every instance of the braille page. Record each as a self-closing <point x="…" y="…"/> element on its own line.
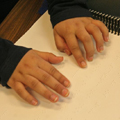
<point x="94" y="91"/>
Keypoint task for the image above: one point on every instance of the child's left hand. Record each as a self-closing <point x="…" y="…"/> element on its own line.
<point x="68" y="32"/>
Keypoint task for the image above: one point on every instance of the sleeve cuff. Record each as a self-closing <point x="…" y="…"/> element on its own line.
<point x="70" y="13"/>
<point x="15" y="54"/>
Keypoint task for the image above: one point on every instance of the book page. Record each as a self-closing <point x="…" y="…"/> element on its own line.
<point x="94" y="91"/>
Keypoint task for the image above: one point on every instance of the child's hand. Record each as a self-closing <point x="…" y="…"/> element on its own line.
<point x="68" y="32"/>
<point x="35" y="71"/>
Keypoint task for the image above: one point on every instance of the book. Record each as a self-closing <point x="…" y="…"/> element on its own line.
<point x="94" y="91"/>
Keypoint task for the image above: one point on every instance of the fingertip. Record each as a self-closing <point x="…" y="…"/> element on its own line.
<point x="65" y="92"/>
<point x="55" y="59"/>
<point x="82" y="64"/>
<point x="34" y="102"/>
<point x="67" y="52"/>
<point x="106" y="39"/>
<point x="105" y="33"/>
<point x="66" y="83"/>
<point x="90" y="58"/>
<point x="59" y="58"/>
<point x="100" y="49"/>
<point x="54" y="98"/>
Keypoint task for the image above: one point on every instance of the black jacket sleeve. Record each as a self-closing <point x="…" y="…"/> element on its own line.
<point x="60" y="10"/>
<point x="10" y="55"/>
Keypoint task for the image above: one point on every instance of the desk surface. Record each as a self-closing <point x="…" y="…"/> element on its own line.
<point x="94" y="91"/>
<point x="20" y="19"/>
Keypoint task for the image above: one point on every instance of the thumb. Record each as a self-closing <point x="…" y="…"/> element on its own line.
<point x="49" y="57"/>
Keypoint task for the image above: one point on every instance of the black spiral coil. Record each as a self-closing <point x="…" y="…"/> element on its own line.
<point x="112" y="22"/>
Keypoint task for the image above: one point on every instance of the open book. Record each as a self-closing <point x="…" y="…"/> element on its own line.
<point x="94" y="91"/>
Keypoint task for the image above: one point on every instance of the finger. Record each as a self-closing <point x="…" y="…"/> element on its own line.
<point x="61" y="44"/>
<point x="37" y="86"/>
<point x="39" y="76"/>
<point x="54" y="72"/>
<point x="103" y="29"/>
<point x="74" y="47"/>
<point x="23" y="93"/>
<point x="34" y="84"/>
<point x="97" y="35"/>
<point x="49" y="57"/>
<point x="87" y="42"/>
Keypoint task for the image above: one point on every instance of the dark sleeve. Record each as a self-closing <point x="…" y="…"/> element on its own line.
<point x="60" y="10"/>
<point x="10" y="55"/>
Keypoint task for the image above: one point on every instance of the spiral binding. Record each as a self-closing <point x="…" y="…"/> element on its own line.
<point x="112" y="22"/>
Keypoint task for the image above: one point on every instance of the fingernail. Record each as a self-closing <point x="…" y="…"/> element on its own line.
<point x="34" y="102"/>
<point x="65" y="92"/>
<point x="101" y="49"/>
<point x="83" y="64"/>
<point x="106" y="39"/>
<point x="54" y="98"/>
<point x="66" y="83"/>
<point x="90" y="58"/>
<point x="67" y="51"/>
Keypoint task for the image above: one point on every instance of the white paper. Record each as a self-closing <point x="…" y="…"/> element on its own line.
<point x="94" y="91"/>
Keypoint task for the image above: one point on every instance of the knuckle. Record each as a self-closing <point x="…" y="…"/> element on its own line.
<point x="34" y="58"/>
<point x="86" y="20"/>
<point x="85" y="38"/>
<point x="45" y="77"/>
<point x="69" y="29"/>
<point x="19" y="91"/>
<point x="91" y="19"/>
<point x="26" y="66"/>
<point x="96" y="21"/>
<point x="34" y="83"/>
<point x="52" y="70"/>
<point x="99" y="22"/>
<point x="27" y="98"/>
<point x="74" y="48"/>
<point x="61" y="79"/>
<point x="93" y="27"/>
